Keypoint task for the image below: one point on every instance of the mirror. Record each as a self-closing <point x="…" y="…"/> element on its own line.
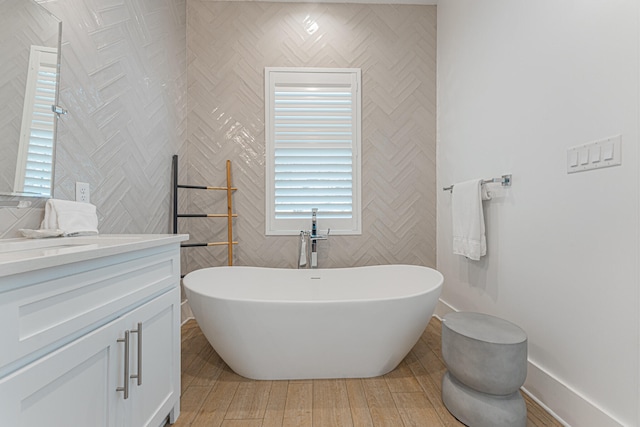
<point x="29" y="77"/>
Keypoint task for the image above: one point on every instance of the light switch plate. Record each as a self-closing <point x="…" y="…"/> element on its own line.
<point x="595" y="155"/>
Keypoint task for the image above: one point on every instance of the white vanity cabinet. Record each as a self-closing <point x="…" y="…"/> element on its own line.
<point x="75" y="330"/>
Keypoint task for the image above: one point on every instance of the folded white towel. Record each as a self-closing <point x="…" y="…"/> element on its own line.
<point x="468" y="220"/>
<point x="73" y="218"/>
<point x="40" y="234"/>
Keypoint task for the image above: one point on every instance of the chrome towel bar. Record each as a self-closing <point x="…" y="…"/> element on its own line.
<point x="505" y="180"/>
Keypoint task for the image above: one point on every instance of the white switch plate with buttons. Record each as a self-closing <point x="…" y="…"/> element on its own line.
<point x="595" y="155"/>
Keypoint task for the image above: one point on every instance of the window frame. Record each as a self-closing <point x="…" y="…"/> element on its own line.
<point x="303" y="75"/>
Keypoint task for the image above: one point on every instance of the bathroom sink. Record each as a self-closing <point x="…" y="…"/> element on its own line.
<point x="21" y="255"/>
<point x="22" y="244"/>
<point x="24" y="249"/>
<point x="19" y="245"/>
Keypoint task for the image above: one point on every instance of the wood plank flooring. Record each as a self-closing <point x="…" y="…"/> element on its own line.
<point x="213" y="395"/>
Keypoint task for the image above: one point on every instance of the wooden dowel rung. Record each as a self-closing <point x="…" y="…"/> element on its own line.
<point x="206" y="215"/>
<point x="221" y="243"/>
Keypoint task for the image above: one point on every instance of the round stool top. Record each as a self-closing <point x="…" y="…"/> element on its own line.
<point x="483" y="327"/>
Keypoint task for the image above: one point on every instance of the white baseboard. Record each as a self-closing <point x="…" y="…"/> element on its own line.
<point x="565" y="404"/>
<point x="443" y="308"/>
<point x="562" y="402"/>
<point x="185" y="312"/>
<point x="186" y="320"/>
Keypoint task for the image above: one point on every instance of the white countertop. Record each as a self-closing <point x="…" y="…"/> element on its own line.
<point x="21" y="255"/>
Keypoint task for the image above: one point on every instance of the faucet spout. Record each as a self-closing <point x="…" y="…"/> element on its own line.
<point x="314" y="222"/>
<point x="314" y="241"/>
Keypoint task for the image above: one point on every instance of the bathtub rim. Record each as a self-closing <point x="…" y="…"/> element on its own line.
<point x="436" y="287"/>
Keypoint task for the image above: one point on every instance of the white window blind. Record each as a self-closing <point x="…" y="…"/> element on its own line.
<point x="35" y="155"/>
<point x="313" y="149"/>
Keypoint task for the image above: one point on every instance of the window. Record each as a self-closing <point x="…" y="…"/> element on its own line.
<point x="312" y="127"/>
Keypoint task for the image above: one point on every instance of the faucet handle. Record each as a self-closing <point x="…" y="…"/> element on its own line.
<point x="320" y="236"/>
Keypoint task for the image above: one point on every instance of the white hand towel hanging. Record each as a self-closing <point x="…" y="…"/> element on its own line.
<point x="468" y="219"/>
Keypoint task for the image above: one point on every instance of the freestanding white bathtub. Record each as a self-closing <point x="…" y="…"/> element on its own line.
<point x="270" y="323"/>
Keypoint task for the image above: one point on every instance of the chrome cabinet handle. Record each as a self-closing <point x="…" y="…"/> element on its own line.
<point x="125" y="388"/>
<point x="139" y="332"/>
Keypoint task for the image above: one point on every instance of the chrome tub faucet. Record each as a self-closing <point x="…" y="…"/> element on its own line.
<point x="313" y="238"/>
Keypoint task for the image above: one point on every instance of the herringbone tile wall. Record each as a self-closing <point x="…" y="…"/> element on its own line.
<point x="228" y="46"/>
<point x="123" y="80"/>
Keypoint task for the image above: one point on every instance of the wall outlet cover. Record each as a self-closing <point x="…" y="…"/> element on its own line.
<point x="82" y="192"/>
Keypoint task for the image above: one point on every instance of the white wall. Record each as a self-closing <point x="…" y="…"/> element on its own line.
<point x="518" y="83"/>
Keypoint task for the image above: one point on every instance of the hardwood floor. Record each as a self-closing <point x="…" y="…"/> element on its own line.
<point x="213" y="395"/>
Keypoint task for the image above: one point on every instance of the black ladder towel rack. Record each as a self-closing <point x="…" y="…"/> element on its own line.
<point x="229" y="215"/>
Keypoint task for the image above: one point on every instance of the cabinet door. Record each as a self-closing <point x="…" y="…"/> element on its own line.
<point x="72" y="386"/>
<point x="159" y="391"/>
<point x="77" y="385"/>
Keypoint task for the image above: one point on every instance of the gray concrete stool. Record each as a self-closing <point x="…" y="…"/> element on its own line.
<point x="486" y="358"/>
